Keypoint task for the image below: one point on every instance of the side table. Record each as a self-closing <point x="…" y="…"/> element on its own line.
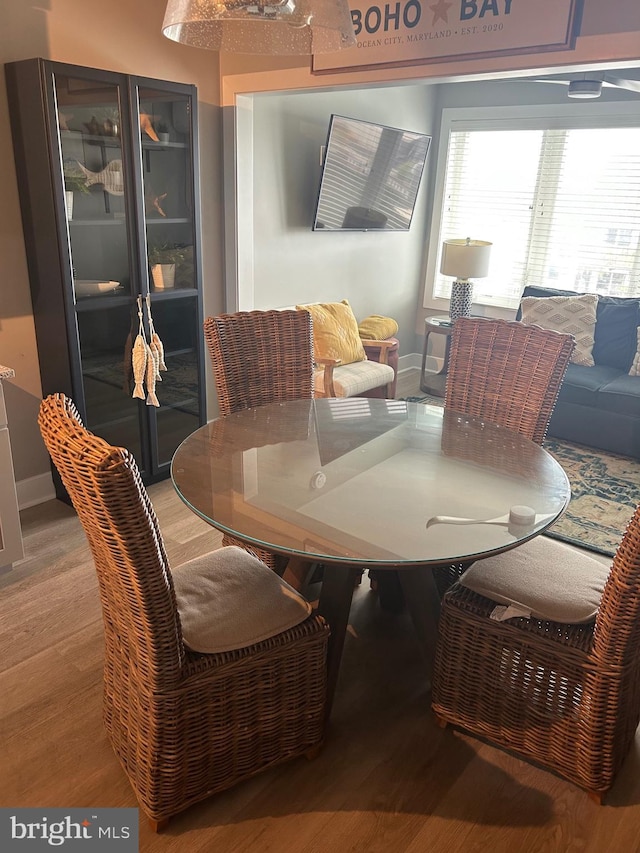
<point x="432" y="382"/>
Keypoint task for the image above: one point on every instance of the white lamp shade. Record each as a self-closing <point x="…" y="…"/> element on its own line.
<point x="465" y="258"/>
<point x="278" y="27"/>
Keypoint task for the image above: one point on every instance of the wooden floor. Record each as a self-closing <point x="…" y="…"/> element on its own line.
<point x="388" y="779"/>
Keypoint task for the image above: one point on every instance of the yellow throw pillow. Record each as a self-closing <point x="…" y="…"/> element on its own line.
<point x="335" y="331"/>
<point x="377" y="328"/>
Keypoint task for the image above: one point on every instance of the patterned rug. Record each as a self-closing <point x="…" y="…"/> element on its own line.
<point x="605" y="490"/>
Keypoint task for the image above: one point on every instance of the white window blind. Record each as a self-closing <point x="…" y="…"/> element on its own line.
<point x="561" y="207"/>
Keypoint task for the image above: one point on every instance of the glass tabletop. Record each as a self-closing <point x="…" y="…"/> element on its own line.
<point x="373" y="482"/>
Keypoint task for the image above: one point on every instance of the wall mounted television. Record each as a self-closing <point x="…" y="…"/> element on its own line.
<point x="370" y="177"/>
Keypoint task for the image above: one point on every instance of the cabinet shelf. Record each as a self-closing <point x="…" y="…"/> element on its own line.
<point x="114" y="141"/>
<point x="106" y="222"/>
<point x="161" y="146"/>
<point x="167" y="221"/>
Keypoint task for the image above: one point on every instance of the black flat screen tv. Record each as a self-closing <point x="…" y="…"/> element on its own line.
<point x="370" y="177"/>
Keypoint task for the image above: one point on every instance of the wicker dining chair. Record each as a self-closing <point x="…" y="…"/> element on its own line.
<point x="508" y="373"/>
<point x="562" y="693"/>
<point x="207" y="681"/>
<point x="261" y="357"/>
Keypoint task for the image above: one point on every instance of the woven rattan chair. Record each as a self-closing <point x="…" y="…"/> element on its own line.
<point x="261" y="357"/>
<point x="508" y="373"/>
<point x="564" y="696"/>
<point x="183" y="724"/>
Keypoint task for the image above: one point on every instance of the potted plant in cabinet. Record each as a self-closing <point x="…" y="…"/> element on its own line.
<point x="74" y="181"/>
<point x="163" y="260"/>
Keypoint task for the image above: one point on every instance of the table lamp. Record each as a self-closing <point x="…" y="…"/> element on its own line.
<point x="464" y="259"/>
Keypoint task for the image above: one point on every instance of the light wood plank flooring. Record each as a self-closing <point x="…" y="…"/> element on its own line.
<point x="388" y="779"/>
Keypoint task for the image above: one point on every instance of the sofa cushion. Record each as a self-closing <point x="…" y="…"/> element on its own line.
<point x="574" y="315"/>
<point x="615" y="338"/>
<point x="621" y="395"/>
<point x="582" y="384"/>
<point x="335" y="332"/>
<point x="616" y="319"/>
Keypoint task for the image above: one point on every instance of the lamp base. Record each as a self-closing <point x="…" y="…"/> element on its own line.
<point x="460" y="301"/>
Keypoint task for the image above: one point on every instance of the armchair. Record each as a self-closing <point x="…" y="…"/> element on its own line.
<point x="343" y="366"/>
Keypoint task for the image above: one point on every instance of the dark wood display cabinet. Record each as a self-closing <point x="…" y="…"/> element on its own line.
<point x="107" y="168"/>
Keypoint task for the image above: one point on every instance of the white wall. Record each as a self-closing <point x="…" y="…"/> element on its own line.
<point x="379" y="273"/>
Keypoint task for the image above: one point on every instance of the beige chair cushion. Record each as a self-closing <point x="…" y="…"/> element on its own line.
<point x="335" y="332"/>
<point x="353" y="379"/>
<point x="573" y="315"/>
<point x="228" y="600"/>
<point x="545" y="577"/>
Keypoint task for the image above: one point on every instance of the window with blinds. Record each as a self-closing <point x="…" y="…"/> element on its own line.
<point x="561" y="207"/>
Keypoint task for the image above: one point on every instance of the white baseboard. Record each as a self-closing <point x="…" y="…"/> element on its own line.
<point x="35" y="490"/>
<point x="413" y="361"/>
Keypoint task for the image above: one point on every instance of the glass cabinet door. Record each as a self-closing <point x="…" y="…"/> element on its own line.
<point x="167" y="145"/>
<point x="131" y="222"/>
<point x="94" y="167"/>
<point x="165" y="131"/>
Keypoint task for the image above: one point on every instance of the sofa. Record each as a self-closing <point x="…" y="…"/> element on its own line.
<point x="599" y="404"/>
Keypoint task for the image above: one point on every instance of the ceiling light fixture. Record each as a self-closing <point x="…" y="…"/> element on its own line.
<point x="283" y="27"/>
<point x="585" y="89"/>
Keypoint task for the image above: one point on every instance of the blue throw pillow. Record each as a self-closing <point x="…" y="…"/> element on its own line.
<point x="615" y="341"/>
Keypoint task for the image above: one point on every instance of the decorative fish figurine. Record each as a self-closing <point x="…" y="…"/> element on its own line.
<point x="139" y="363"/>
<point x="155" y="354"/>
<point x="110" y="177"/>
<point x="151" y="378"/>
<point x="139" y="355"/>
<point x="155" y="342"/>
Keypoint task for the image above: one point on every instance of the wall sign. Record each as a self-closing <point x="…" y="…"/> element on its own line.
<point x="411" y="32"/>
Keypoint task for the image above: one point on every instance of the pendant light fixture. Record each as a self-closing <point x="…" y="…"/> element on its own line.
<point x="296" y="27"/>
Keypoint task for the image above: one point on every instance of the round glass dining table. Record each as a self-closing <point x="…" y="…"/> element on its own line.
<point x="362" y="483"/>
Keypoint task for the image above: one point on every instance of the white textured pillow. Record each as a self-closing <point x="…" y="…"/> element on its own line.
<point x="573" y="315"/>
<point x="229" y="600"/>
<point x="634" y="370"/>
<point x="544" y="577"/>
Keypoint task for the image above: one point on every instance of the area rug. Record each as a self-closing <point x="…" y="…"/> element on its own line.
<point x="605" y="490"/>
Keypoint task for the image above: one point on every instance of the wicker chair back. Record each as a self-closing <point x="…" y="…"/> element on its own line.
<point x="507" y="372"/>
<point x="260" y="357"/>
